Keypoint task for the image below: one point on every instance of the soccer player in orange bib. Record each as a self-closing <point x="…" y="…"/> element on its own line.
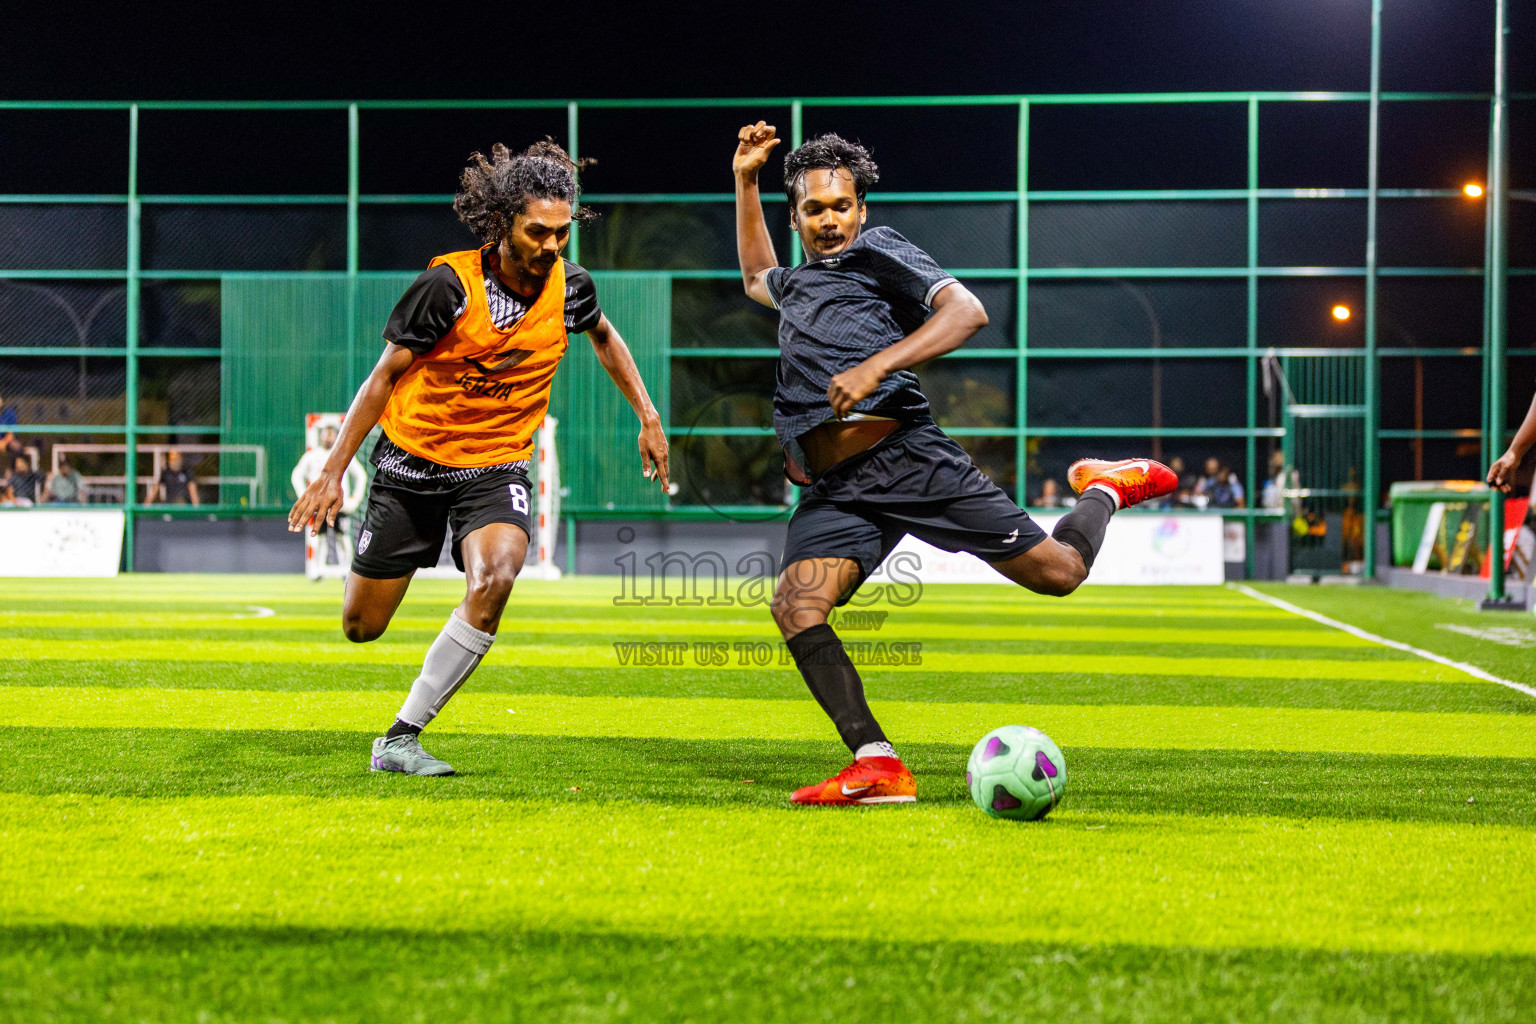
<point x="469" y="357"/>
<point x="859" y="436"/>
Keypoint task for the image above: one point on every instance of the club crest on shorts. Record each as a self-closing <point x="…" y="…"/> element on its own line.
<point x="364" y="541"/>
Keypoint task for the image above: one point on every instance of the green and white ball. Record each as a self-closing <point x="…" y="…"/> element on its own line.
<point x="1016" y="772"/>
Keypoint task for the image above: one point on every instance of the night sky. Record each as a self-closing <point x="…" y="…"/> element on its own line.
<point x="668" y="49"/>
<point x="275" y="50"/>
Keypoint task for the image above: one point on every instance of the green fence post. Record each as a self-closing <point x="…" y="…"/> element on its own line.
<point x="1497" y="283"/>
<point x="1371" y="484"/>
<point x="131" y="342"/>
<point x="1250" y="444"/>
<point x="570" y="545"/>
<point x="352" y="190"/>
<point x="796" y="137"/>
<point x="1021" y="317"/>
<point x="573" y="247"/>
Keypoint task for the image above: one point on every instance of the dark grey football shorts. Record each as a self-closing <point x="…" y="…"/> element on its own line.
<point x="408" y="519"/>
<point x="916" y="481"/>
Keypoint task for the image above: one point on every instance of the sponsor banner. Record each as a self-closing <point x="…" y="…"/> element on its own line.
<point x="74" y="542"/>
<point x="1138" y="550"/>
<point x="1515" y="510"/>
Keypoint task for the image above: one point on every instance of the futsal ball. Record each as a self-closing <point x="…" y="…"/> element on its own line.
<point x="1016" y="772"/>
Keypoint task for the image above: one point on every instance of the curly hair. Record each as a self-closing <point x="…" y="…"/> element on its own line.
<point x="826" y="152"/>
<point x="493" y="192"/>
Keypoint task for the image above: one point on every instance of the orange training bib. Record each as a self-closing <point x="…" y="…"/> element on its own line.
<point x="478" y="396"/>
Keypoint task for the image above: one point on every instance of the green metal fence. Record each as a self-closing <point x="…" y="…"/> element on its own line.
<point x="279" y="298"/>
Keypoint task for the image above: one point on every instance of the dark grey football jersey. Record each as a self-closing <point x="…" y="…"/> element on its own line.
<point x="836" y="313"/>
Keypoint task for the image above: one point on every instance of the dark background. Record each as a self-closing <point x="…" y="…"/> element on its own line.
<point x="292" y="51"/>
<point x="669" y="49"/>
<point x="770" y="52"/>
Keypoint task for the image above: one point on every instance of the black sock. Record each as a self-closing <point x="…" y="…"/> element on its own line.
<point x="1083" y="527"/>
<point x="835" y="684"/>
<point x="402" y="729"/>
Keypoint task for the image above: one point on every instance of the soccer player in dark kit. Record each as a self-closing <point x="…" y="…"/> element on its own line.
<point x="469" y="358"/>
<point x="858" y="435"/>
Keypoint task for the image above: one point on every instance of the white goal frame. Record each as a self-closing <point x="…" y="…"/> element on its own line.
<point x="545" y="477"/>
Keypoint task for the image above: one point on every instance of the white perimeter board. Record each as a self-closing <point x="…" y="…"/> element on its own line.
<point x="1138" y="550"/>
<point x="60" y="542"/>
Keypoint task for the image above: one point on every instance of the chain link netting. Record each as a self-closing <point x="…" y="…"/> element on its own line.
<point x="179" y="392"/>
<point x="62" y="313"/>
<point x="1311" y="232"/>
<point x="408" y="236"/>
<point x="64" y="390"/>
<point x="241" y="237"/>
<point x="1142" y="313"/>
<point x="179" y="314"/>
<point x="1138" y="392"/>
<point x="718" y="314"/>
<point x="63" y="236"/>
<point x="1429" y="233"/>
<point x="956" y="235"/>
<point x="1111" y="233"/>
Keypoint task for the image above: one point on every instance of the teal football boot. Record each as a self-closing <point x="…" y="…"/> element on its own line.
<point x="404" y="754"/>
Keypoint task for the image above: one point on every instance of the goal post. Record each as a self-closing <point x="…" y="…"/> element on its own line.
<point x="545" y="477"/>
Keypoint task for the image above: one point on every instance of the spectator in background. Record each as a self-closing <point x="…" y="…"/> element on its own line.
<point x="1050" y="496"/>
<point x="10" y="444"/>
<point x="7" y="496"/>
<point x="1180" y="497"/>
<point x="1177" y="465"/>
<point x="177" y="484"/>
<point x="1273" y="494"/>
<point x="65" y="486"/>
<point x="26" y="485"/>
<point x="1210" y="478"/>
<point x="1226" y="492"/>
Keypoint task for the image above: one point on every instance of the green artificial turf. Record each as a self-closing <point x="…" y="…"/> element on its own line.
<point x="1265" y="817"/>
<point x="329" y="976"/>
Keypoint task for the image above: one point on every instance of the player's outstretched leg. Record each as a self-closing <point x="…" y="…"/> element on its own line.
<point x="1060" y="563"/>
<point x="493" y="556"/>
<point x="807" y="591"/>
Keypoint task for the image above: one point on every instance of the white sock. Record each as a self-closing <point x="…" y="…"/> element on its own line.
<point x="452" y="657"/>
<point x="881" y="749"/>
<point x="1114" y="495"/>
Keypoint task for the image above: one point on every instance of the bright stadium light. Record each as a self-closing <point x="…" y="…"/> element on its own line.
<point x="1341" y="313"/>
<point x="1473" y="190"/>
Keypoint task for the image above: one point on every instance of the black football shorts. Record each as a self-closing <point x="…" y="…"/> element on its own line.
<point x="917" y="480"/>
<point x="407" y="519"/>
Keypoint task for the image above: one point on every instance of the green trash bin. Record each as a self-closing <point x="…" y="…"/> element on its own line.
<point x="1411" y="501"/>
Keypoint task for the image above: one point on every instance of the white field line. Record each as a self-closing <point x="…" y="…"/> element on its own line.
<point x="1397" y="645"/>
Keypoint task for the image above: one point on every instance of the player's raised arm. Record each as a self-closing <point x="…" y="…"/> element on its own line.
<point x="620" y="364"/>
<point x="957" y="315"/>
<point x="754" y="246"/>
<point x="322" y="499"/>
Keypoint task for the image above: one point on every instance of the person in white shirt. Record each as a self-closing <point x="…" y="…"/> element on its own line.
<point x="335" y="557"/>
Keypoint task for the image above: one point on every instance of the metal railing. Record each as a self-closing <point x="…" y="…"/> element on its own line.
<point x="1015" y="202"/>
<point x="115" y="485"/>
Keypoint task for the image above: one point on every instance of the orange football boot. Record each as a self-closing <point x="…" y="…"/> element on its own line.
<point x="869" y="780"/>
<point x="1133" y="480"/>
